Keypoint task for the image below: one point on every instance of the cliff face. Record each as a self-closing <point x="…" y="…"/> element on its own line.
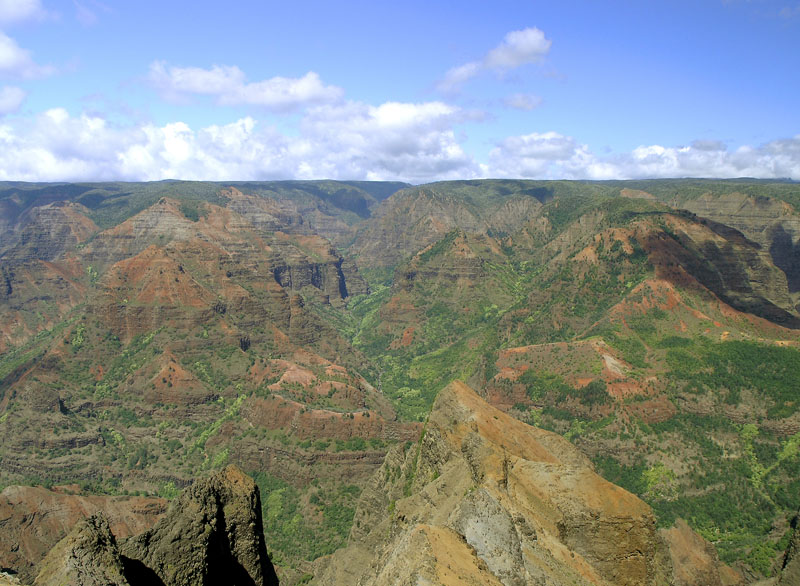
<point x="773" y="224"/>
<point x="40" y="278"/>
<point x="694" y="560"/>
<point x="486" y="499"/>
<point x="33" y="520"/>
<point x="218" y="325"/>
<point x="790" y="569"/>
<point x="54" y="255"/>
<point x="213" y="534"/>
<point x="721" y="259"/>
<point x="47" y="231"/>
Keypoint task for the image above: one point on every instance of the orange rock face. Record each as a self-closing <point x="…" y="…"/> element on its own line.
<point x="486" y="499"/>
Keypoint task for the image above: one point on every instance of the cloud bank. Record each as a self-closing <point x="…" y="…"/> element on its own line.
<point x="414" y="142"/>
<point x="17" y="62"/>
<point x="552" y="155"/>
<point x="352" y="140"/>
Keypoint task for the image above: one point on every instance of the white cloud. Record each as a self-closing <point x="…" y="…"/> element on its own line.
<point x="414" y="142"/>
<point x="17" y="62"/>
<point x="228" y="84"/>
<point x="517" y="49"/>
<point x="525" y="102"/>
<point x="349" y="140"/>
<point x="11" y="99"/>
<point x="554" y="156"/>
<point x="12" y="11"/>
<point x="535" y="155"/>
<point x="195" y="80"/>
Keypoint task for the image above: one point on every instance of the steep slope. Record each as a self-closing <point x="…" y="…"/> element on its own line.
<point x="212" y="534"/>
<point x="417" y="217"/>
<point x="765" y="212"/>
<point x="34" y="519"/>
<point x="772" y="223"/>
<point x="41" y="277"/>
<point x="88" y="556"/>
<point x="626" y="326"/>
<point x="150" y="332"/>
<point x="485" y="499"/>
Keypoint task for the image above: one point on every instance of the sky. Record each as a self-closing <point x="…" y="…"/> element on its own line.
<point x="97" y="90"/>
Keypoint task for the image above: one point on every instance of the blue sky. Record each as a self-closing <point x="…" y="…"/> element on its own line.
<point x="100" y="90"/>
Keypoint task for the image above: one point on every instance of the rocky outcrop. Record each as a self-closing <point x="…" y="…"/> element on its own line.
<point x="212" y="534"/>
<point x="88" y="556"/>
<point x="486" y="499"/>
<point x="34" y="519"/>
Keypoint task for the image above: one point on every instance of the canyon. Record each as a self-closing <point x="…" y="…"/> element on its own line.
<point x="501" y="381"/>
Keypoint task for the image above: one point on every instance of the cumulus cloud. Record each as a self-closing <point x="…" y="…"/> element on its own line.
<point x="552" y="155"/>
<point x="17" y="62"/>
<point x="525" y="102"/>
<point x="414" y="142"/>
<point x="518" y="48"/>
<point x="345" y="141"/>
<point x="395" y="140"/>
<point x="11" y="99"/>
<point x="12" y="11"/>
<point x="227" y="83"/>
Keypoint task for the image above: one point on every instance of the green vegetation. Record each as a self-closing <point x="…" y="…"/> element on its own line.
<point x="191" y="210"/>
<point x="440" y="247"/>
<point x="305" y="523"/>
<point x="768" y="371"/>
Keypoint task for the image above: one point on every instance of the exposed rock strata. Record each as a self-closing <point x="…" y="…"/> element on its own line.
<point x="773" y="224"/>
<point x="416" y="217"/>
